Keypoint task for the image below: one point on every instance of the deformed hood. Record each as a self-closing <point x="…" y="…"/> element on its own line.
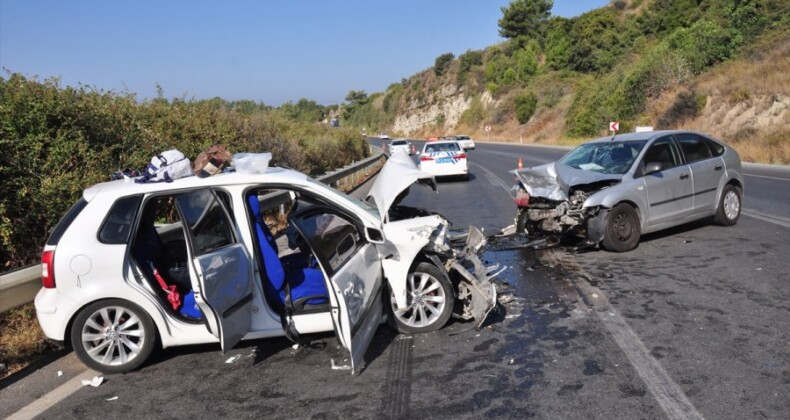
<point x="553" y="180"/>
<point x="397" y="175"/>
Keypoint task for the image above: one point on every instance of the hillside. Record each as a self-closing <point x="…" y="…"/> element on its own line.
<point x="717" y="66"/>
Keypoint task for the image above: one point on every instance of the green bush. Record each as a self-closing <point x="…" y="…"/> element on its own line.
<point x="442" y="63"/>
<point x="705" y="43"/>
<point x="57" y="140"/>
<point x="525" y="107"/>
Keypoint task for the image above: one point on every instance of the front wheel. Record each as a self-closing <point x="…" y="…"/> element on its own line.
<point x="622" y="229"/>
<point x="429" y="299"/>
<point x="113" y="336"/>
<point x="729" y="209"/>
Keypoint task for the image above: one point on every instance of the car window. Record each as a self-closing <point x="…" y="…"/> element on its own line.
<point x="206" y="220"/>
<point x="663" y="152"/>
<point x="694" y="147"/>
<point x="715" y="148"/>
<point x="442" y="147"/>
<point x="398" y="142"/>
<point x="333" y="238"/>
<point x="118" y="224"/>
<point x="604" y="157"/>
<point x="66" y="221"/>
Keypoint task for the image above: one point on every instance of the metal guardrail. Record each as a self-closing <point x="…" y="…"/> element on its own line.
<point x="20" y="287"/>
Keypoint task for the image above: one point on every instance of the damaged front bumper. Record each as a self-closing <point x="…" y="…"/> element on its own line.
<point x="475" y="292"/>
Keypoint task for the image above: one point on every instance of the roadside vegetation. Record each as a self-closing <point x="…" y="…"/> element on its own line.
<point x="639" y="62"/>
<point x="58" y="140"/>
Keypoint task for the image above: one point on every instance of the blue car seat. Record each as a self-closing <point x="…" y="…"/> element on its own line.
<point x="307" y="286"/>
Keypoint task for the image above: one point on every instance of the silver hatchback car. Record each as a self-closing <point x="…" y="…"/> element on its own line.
<point x="611" y="190"/>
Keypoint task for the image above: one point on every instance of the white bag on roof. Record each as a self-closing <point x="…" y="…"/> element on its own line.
<point x="167" y="166"/>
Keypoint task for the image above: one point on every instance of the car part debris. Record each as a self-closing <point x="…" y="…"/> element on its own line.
<point x="95" y="382"/>
<point x="476" y="289"/>
<point x="339" y="367"/>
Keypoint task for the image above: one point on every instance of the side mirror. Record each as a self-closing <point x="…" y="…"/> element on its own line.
<point x="653" y="167"/>
<point x="417" y="153"/>
<point x="374" y="236"/>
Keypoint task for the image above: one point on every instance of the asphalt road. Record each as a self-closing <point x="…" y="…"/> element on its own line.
<point x="694" y="323"/>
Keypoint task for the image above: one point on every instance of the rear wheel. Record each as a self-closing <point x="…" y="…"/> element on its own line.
<point x="113" y="336"/>
<point x="622" y="229"/>
<point x="729" y="209"/>
<point x="429" y="298"/>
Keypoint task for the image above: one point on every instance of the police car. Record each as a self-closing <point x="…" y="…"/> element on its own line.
<point x="444" y="158"/>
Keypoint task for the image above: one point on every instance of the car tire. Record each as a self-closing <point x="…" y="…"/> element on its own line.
<point x="113" y="336"/>
<point x="430" y="297"/>
<point x="622" y="229"/>
<point x="729" y="209"/>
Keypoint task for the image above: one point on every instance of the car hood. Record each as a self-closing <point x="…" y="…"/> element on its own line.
<point x="394" y="180"/>
<point x="554" y="180"/>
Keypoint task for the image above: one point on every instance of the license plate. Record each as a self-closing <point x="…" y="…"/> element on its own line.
<point x="444" y="160"/>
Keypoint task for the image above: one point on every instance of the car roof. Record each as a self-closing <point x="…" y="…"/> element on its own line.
<point x="648" y="135"/>
<point x="128" y="186"/>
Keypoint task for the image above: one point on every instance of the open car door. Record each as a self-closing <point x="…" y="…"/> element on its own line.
<point x="221" y="272"/>
<point x="353" y="269"/>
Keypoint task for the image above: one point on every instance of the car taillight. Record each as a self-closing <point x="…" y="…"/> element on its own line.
<point x="48" y="269"/>
<point x="522" y="198"/>
<point x="460" y="156"/>
<point x="423" y="158"/>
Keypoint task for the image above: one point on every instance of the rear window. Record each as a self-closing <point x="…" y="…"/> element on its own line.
<point x="399" y="142"/>
<point x="442" y="147"/>
<point x="716" y="148"/>
<point x="66" y="221"/>
<point x="118" y="224"/>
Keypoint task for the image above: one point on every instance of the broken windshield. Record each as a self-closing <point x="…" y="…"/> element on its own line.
<point x="604" y="157"/>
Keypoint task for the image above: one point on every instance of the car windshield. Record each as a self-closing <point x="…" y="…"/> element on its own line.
<point x="604" y="157"/>
<point x="398" y="142"/>
<point x="368" y="207"/>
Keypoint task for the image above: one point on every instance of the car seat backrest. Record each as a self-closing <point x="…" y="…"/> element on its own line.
<point x="272" y="265"/>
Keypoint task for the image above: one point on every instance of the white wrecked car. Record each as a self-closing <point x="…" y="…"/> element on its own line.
<point x="246" y="256"/>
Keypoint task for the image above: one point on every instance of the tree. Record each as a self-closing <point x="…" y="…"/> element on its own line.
<point x="442" y="62"/>
<point x="525" y="19"/>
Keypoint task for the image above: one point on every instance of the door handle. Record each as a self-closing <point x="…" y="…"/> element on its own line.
<point x="684" y="176"/>
<point x="718" y="168"/>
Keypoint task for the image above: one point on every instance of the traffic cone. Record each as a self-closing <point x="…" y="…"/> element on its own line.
<point x="520" y="164"/>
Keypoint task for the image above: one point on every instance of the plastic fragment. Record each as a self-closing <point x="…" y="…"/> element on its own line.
<point x="111" y="398"/>
<point x="60" y="373"/>
<point x="233" y="359"/>
<point x="95" y="382"/>
<point x="341" y="367"/>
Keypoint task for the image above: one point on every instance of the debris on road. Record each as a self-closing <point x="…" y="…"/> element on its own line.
<point x="341" y="367"/>
<point x="95" y="382"/>
<point x="233" y="359"/>
<point x="111" y="398"/>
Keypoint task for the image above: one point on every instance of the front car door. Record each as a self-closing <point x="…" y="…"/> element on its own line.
<point x="707" y="171"/>
<point x="669" y="191"/>
<point x="354" y="270"/>
<point x="221" y="269"/>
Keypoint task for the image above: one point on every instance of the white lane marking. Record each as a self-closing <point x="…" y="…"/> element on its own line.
<point x="668" y="394"/>
<point x="53" y="397"/>
<point x="777" y="220"/>
<point x="493" y="178"/>
<point x="768" y="177"/>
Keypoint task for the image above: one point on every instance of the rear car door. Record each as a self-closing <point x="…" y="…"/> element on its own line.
<point x="222" y="273"/>
<point x="707" y="171"/>
<point x="355" y="275"/>
<point x="669" y="191"/>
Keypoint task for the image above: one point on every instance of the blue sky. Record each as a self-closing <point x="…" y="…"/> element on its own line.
<point x="270" y="51"/>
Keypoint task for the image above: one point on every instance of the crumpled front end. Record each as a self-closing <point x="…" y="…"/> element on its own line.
<point x="550" y="201"/>
<point x="458" y="254"/>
